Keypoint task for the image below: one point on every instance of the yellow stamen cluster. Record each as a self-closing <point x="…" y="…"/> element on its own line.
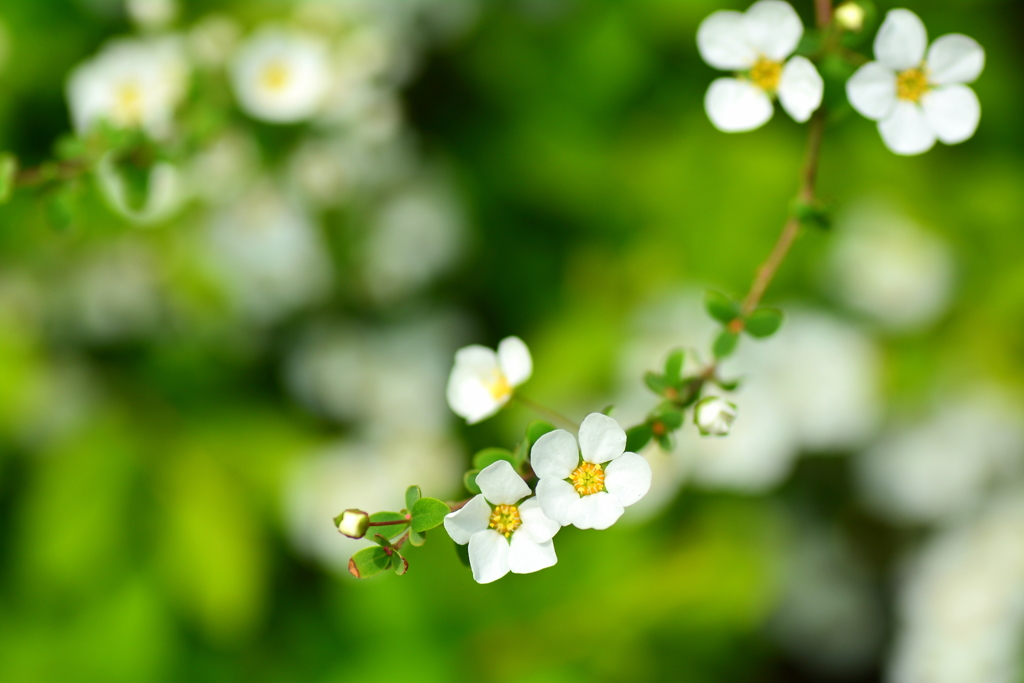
<point x="498" y="386"/>
<point x="912" y="84"/>
<point x="766" y="74"/>
<point x="128" y="104"/>
<point x="588" y="479"/>
<point x="276" y="76"/>
<point x="505" y="519"/>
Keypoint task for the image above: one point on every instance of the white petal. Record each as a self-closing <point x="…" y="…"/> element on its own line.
<point x="555" y="455"/>
<point x="722" y="42"/>
<point x="735" y="106"/>
<point x="800" y="88"/>
<point x="872" y="91"/>
<point x="556" y="496"/>
<point x="601" y="438"/>
<point x="953" y="112"/>
<point x="515" y="361"/>
<point x="471" y="518"/>
<point x="901" y="40"/>
<point x="906" y="131"/>
<point x="597" y="511"/>
<point x="539" y="526"/>
<point x="628" y="478"/>
<point x="525" y="555"/>
<point x="955" y="58"/>
<point x="774" y="28"/>
<point x="488" y="556"/>
<point x="467" y="394"/>
<point x="501" y="485"/>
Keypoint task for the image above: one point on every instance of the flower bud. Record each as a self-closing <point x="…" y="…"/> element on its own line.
<point x="850" y="16"/>
<point x="353" y="523"/>
<point x="713" y="416"/>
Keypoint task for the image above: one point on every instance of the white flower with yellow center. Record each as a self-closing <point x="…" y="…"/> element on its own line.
<point x="505" y="533"/>
<point x="482" y="381"/>
<point x="590" y="492"/>
<point x="756" y="45"/>
<point x="917" y="97"/>
<point x="281" y="76"/>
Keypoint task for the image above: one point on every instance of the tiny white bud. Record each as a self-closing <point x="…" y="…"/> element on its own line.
<point x="713" y="416"/>
<point x="353" y="523"/>
<point x="850" y="16"/>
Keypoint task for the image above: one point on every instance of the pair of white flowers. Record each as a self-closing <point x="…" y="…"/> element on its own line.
<point x="589" y="486"/>
<point x="917" y="94"/>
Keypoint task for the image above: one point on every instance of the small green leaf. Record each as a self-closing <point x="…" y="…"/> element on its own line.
<point x="674" y="368"/>
<point x="412" y="494"/>
<point x="388" y="530"/>
<point x="380" y="540"/>
<point x="720" y="307"/>
<point x="428" y="513"/>
<point x="725" y="344"/>
<point x="60" y="209"/>
<point x="655" y="382"/>
<point x="730" y="385"/>
<point x="764" y="322"/>
<point x="672" y="419"/>
<point x="463" y="552"/>
<point x="666" y="442"/>
<point x="813" y="216"/>
<point x="469" y="481"/>
<point x="369" y="562"/>
<point x="608" y="409"/>
<point x="537" y="429"/>
<point x="489" y="456"/>
<point x="8" y="176"/>
<point x="400" y="564"/>
<point x="637" y="437"/>
<point x="417" y="538"/>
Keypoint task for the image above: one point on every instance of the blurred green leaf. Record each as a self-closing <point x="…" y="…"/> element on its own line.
<point x="469" y="481"/>
<point x="637" y="437"/>
<point x="720" y="307"/>
<point x="671" y="418"/>
<point x="412" y="494"/>
<point x="655" y="383"/>
<point x="537" y="429"/>
<point x="489" y="456"/>
<point x="674" y="367"/>
<point x="764" y="322"/>
<point x="725" y="344"/>
<point x="428" y="513"/>
<point x="369" y="562"/>
<point x="8" y="176"/>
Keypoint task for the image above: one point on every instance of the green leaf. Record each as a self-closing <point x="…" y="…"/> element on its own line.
<point x="608" y="409"/>
<point x="537" y="429"/>
<point x="417" y="538"/>
<point x="637" y="437"/>
<point x="380" y="540"/>
<point x="428" y="513"/>
<point x="720" y="307"/>
<point x="389" y="530"/>
<point x="8" y="176"/>
<point x="672" y="419"/>
<point x="813" y="216"/>
<point x="655" y="382"/>
<point x="674" y="368"/>
<point x="60" y="209"/>
<point x="463" y="552"/>
<point x="489" y="456"/>
<point x="764" y="322"/>
<point x="400" y="564"/>
<point x="469" y="481"/>
<point x="412" y="494"/>
<point x="725" y="344"/>
<point x="369" y="562"/>
<point x="666" y="442"/>
<point x="730" y="385"/>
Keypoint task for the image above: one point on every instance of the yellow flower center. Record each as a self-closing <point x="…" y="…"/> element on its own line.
<point x="766" y="74"/>
<point x="588" y="479"/>
<point x="505" y="519"/>
<point x="498" y="386"/>
<point x="276" y="76"/>
<point x="128" y="104"/>
<point x="912" y="84"/>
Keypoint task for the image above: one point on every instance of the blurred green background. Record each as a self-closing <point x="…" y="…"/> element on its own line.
<point x="162" y="452"/>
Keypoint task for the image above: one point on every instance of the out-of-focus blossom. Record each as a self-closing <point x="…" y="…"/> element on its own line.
<point x="164" y="191"/>
<point x="884" y="265"/>
<point x="851" y="15"/>
<point x="714" y="416"/>
<point x="213" y="40"/>
<point x="757" y="43"/>
<point x="152" y="14"/>
<point x="225" y="169"/>
<point x="130" y="83"/>
<point x="943" y="467"/>
<point x="281" y="75"/>
<point x="916" y="97"/>
<point x="482" y="381"/>
<point x="333" y="171"/>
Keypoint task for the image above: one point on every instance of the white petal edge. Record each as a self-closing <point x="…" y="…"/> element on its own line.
<point x="471" y="518"/>
<point x="526" y="555"/>
<point x="515" y="360"/>
<point x="952" y="112"/>
<point x="601" y="438"/>
<point x="800" y="89"/>
<point x="955" y="58"/>
<point x="488" y="556"/>
<point x="901" y="40"/>
<point x="555" y="455"/>
<point x="597" y="511"/>
<point x="906" y="131"/>
<point x="774" y="28"/>
<point x="722" y="41"/>
<point x="467" y="395"/>
<point x="736" y="106"/>
<point x="500" y="484"/>
<point x="872" y="91"/>
<point x="556" y="496"/>
<point x="539" y="526"/>
<point x="628" y="478"/>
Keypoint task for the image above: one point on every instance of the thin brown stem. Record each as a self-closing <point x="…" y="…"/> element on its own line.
<point x="823" y="12"/>
<point x="50" y="172"/>
<point x="547" y="412"/>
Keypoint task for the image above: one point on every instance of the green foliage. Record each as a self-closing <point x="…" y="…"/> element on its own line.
<point x="720" y="307"/>
<point x="8" y="176"/>
<point x="725" y="344"/>
<point x="655" y="382"/>
<point x="428" y="513"/>
<point x="369" y="562"/>
<point x="469" y="481"/>
<point x="637" y="437"/>
<point x="400" y="564"/>
<point x="389" y="530"/>
<point x="764" y="322"/>
<point x="674" y="368"/>
<point x="537" y="429"/>
<point x="489" y="456"/>
<point x="412" y="494"/>
<point x="417" y="538"/>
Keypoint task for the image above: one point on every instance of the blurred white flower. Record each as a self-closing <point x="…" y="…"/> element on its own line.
<point x="130" y="83"/>
<point x="942" y="468"/>
<point x="885" y="265"/>
<point x="714" y="416"/>
<point x="213" y="40"/>
<point x="756" y="43"/>
<point x="335" y="170"/>
<point x="504" y="532"/>
<point x="164" y="191"/>
<point x="482" y="381"/>
<point x="850" y="15"/>
<point x="152" y="14"/>
<point x="281" y="75"/>
<point x="221" y="172"/>
<point x="916" y="97"/>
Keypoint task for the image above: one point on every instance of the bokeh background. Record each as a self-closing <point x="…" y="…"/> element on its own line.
<point x="188" y="396"/>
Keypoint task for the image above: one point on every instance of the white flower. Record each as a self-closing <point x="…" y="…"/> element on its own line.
<point x="915" y="97"/>
<point x="591" y="493"/>
<point x="129" y="84"/>
<point x="503" y="533"/>
<point x="714" y="417"/>
<point x="152" y="14"/>
<point x="850" y="16"/>
<point x="164" y="191"/>
<point x="756" y="43"/>
<point x="281" y="76"/>
<point x="481" y="382"/>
